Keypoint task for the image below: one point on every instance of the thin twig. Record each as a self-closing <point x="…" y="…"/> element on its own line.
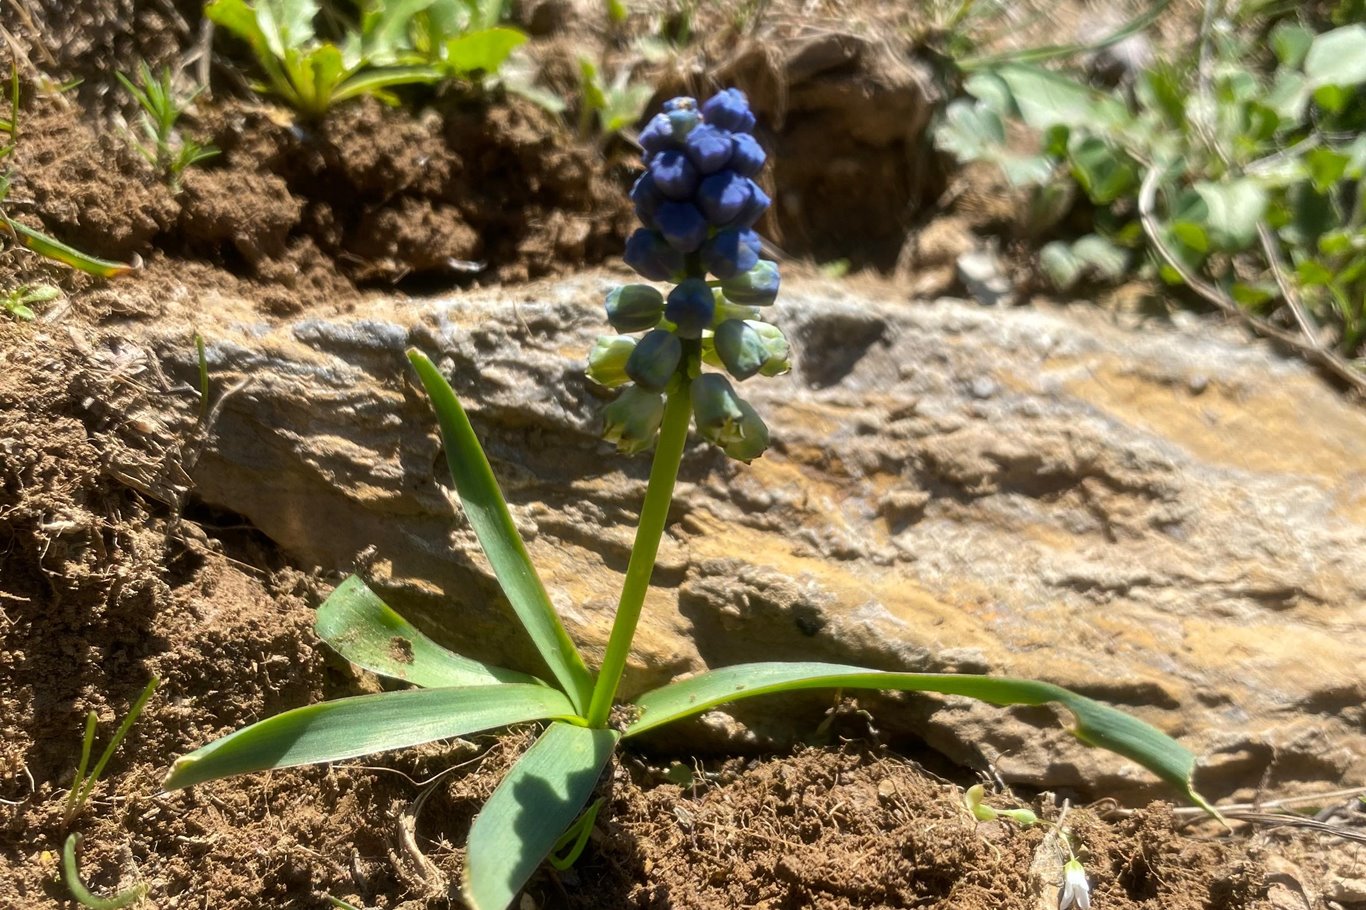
<point x="1324" y="358"/>
<point x="1272" y="248"/>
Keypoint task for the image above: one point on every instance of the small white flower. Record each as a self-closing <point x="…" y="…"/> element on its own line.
<point x="1076" y="892"/>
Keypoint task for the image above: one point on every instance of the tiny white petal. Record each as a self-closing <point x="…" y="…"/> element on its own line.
<point x="1076" y="891"/>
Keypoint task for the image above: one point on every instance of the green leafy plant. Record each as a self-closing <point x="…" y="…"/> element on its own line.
<point x="162" y="106"/>
<point x="1235" y="173"/>
<point x="612" y="106"/>
<point x="666" y="387"/>
<point x="20" y="301"/>
<point x="394" y="43"/>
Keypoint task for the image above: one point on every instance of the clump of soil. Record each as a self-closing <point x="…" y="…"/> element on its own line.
<point x="370" y="195"/>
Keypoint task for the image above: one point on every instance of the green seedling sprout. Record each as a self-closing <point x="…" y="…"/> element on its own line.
<point x="613" y="107"/>
<point x="83" y="785"/>
<point x="696" y="339"/>
<point x="72" y="876"/>
<point x="162" y="106"/>
<point x="19" y="302"/>
<point x="972" y="799"/>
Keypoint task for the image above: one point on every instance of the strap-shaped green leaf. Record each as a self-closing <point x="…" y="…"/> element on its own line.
<point x="531" y="808"/>
<point x="366" y="631"/>
<point x="57" y="251"/>
<point x="349" y="727"/>
<point x="488" y="515"/>
<point x="1096" y="724"/>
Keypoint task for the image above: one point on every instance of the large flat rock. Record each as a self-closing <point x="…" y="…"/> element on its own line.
<point x="1169" y="518"/>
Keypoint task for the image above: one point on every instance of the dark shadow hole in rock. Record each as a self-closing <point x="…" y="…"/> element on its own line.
<point x="833" y="346"/>
<point x="234" y="536"/>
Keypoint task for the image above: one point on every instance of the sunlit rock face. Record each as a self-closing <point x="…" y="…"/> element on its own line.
<point x="1168" y="518"/>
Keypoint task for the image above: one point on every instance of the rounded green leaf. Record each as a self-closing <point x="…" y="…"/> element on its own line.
<point x="532" y="807"/>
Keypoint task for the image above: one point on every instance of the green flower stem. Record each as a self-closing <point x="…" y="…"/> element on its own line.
<point x="673" y="434"/>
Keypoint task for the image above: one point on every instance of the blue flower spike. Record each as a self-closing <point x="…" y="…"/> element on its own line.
<point x="698" y="203"/>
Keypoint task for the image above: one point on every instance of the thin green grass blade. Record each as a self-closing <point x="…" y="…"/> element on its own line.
<point x="1096" y="724"/>
<point x="83" y="895"/>
<point x="355" y="726"/>
<point x="531" y="808"/>
<point x="366" y="631"/>
<point x="488" y="514"/>
<point x="57" y="251"/>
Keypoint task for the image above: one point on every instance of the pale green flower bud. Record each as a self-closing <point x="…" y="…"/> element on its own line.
<point x="655" y="360"/>
<point x="747" y="347"/>
<point x="757" y="287"/>
<point x="632" y="421"/>
<point x="634" y="307"/>
<point x="716" y="409"/>
<point x="753" y="440"/>
<point x="727" y="310"/>
<point x="727" y="420"/>
<point x="607" y="360"/>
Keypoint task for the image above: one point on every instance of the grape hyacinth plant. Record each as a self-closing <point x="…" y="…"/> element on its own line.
<point x="698" y="204"/>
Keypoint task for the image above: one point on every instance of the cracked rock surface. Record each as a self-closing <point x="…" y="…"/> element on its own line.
<point x="1167" y="518"/>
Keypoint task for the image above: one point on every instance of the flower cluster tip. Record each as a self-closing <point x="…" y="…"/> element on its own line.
<point x="697" y="202"/>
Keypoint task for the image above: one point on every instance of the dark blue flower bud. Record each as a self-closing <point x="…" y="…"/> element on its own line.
<point x="607" y="360"/>
<point x="655" y="360"/>
<point x="673" y="174"/>
<point x="729" y="110"/>
<point x="647" y="198"/>
<point x="650" y="254"/>
<point x="731" y="253"/>
<point x="690" y="307"/>
<point x="634" y="307"/>
<point x="724" y="195"/>
<point x="748" y="157"/>
<point x="657" y="135"/>
<point x="633" y="419"/>
<point x="682" y="225"/>
<point x="709" y="148"/>
<point x="681" y="103"/>
<point x="757" y="287"/>
<point x="753" y="210"/>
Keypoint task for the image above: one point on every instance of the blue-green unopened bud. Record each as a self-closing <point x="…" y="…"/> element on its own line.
<point x="753" y="440"/>
<point x="757" y="287"/>
<point x="747" y="347"/>
<point x="607" y="360"/>
<point x="632" y="421"/>
<point x="634" y="307"/>
<point x="655" y="359"/>
<point x="717" y="410"/>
